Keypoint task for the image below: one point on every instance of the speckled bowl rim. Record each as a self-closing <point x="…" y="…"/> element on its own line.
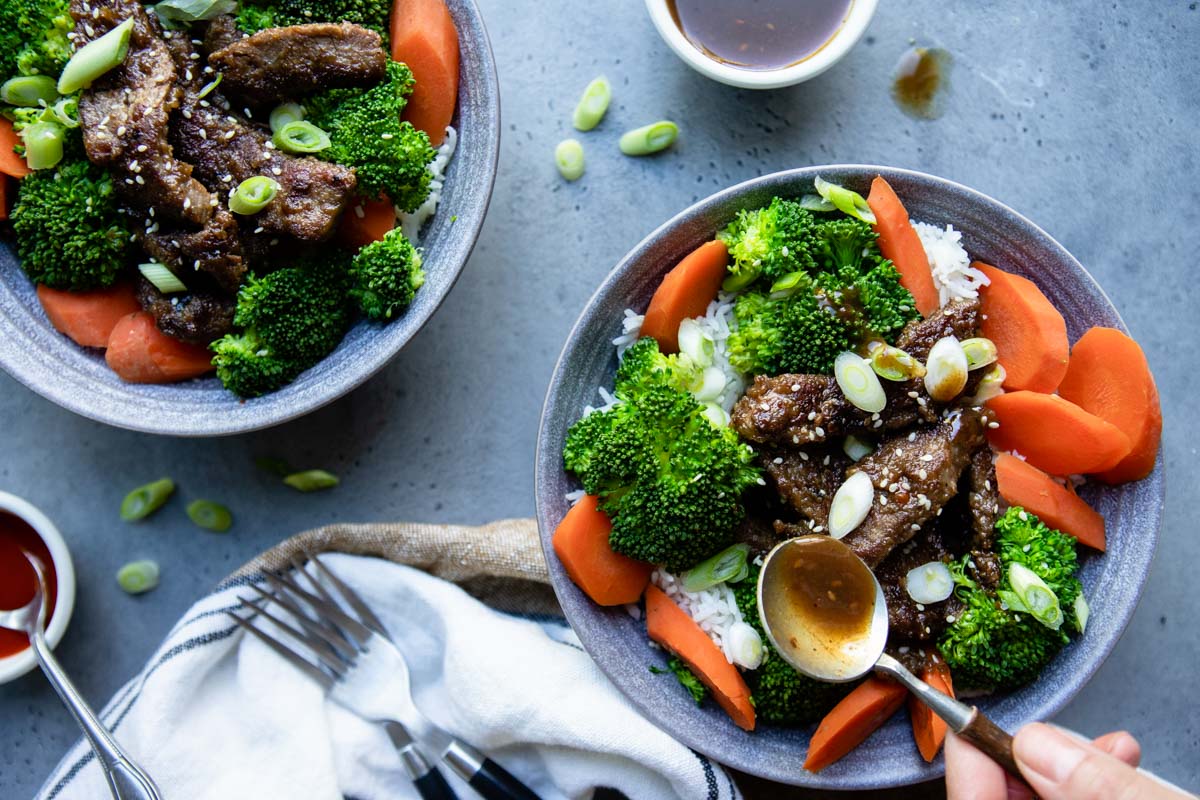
<point x="671" y="710"/>
<point x="74" y="378"/>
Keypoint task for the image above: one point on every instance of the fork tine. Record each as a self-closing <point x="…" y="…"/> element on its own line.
<point x="330" y="657"/>
<point x="330" y="611"/>
<point x="288" y="654"/>
<point x="299" y="567"/>
<point x="329" y="635"/>
<point x="351" y="597"/>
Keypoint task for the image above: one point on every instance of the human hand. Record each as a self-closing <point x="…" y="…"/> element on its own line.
<point x="1057" y="766"/>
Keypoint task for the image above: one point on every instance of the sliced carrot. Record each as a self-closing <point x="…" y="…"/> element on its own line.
<point x="424" y="37"/>
<point x="378" y="217"/>
<point x="852" y="720"/>
<point x="1108" y="376"/>
<point x="140" y="353"/>
<point x="11" y="163"/>
<point x="581" y="544"/>
<point x="88" y="318"/>
<point x="685" y="292"/>
<point x="1054" y="434"/>
<point x="898" y="241"/>
<point x="671" y="627"/>
<point x="1024" y="485"/>
<point x="929" y="730"/>
<point x="1029" y="333"/>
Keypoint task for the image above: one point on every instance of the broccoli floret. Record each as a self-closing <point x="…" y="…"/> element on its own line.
<point x="70" y="233"/>
<point x="253" y="18"/>
<point x="257" y="15"/>
<point x="248" y="368"/>
<point x="385" y="276"/>
<point x="670" y="480"/>
<point x="781" y="694"/>
<point x="643" y="360"/>
<point x="687" y="679"/>
<point x="886" y="304"/>
<point x="771" y="242"/>
<point x="390" y="157"/>
<point x="990" y="646"/>
<point x="846" y="243"/>
<point x="33" y="37"/>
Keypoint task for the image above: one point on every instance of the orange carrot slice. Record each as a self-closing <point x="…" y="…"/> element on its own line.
<point x="1108" y="376"/>
<point x="11" y="163"/>
<point x="851" y="721"/>
<point x="423" y="36"/>
<point x="1054" y="434"/>
<point x="685" y="292"/>
<point x="140" y="353"/>
<point x="929" y="730"/>
<point x="88" y="318"/>
<point x="366" y="221"/>
<point x="1029" y="333"/>
<point x="898" y="241"/>
<point x="1024" y="485"/>
<point x="581" y="544"/>
<point x="671" y="627"/>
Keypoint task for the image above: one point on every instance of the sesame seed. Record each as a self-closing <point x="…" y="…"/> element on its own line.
<point x="196" y="265"/>
<point x="187" y="202"/>
<point x="795" y="387"/>
<point x="820" y="431"/>
<point x="875" y="415"/>
<point x="950" y="618"/>
<point x="386" y="136"/>
<point x="229" y="135"/>
<point x="921" y="402"/>
<point x="247" y="113"/>
<point x="993" y="425"/>
<point x="927" y="457"/>
<point x="141" y="148"/>
<point x="777" y="460"/>
<point x="121" y="130"/>
<point x="259" y="229"/>
<point x="203" y="133"/>
<point x="922" y="474"/>
<point x="276" y="171"/>
<point x="920" y="607"/>
<point x="812" y="415"/>
<point x="819" y="529"/>
<point x="826" y="461"/>
<point x="226" y="178"/>
<point x="913" y="395"/>
<point x="915" y="527"/>
<point x="883" y="499"/>
<point x="187" y="113"/>
<point x="795" y="440"/>
<point x="912" y="437"/>
<point x="927" y="629"/>
<point x="877" y="424"/>
<point x="803" y="456"/>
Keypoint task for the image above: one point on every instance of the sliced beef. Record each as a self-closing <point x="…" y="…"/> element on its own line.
<point x="908" y="619"/>
<point x="983" y="499"/>
<point x="214" y="250"/>
<point x="125" y="115"/>
<point x="958" y="318"/>
<point x="221" y="32"/>
<point x="197" y="317"/>
<point x="807" y="479"/>
<point x="286" y="63"/>
<point x="914" y="476"/>
<point x="758" y="533"/>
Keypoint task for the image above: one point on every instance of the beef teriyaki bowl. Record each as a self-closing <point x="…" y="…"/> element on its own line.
<point x="616" y="635"/>
<point x="78" y="378"/>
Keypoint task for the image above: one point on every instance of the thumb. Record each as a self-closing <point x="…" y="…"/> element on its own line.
<point x="1061" y="767"/>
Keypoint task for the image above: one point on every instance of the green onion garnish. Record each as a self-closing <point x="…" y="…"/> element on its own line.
<point x="66" y="112"/>
<point x="980" y="352"/>
<point x="145" y="500"/>
<point x="210" y="516"/>
<point x="729" y="565"/>
<point x="844" y="200"/>
<point x="568" y="157"/>
<point x="735" y="283"/>
<point x="892" y="363"/>
<point x="253" y="195"/>
<point x="96" y="58"/>
<point x="188" y="11"/>
<point x="298" y="137"/>
<point x="789" y="284"/>
<point x="30" y="91"/>
<point x="163" y="279"/>
<point x="814" y="202"/>
<point x="207" y="89"/>
<point x="1038" y="599"/>
<point x="43" y="144"/>
<point x="137" y="577"/>
<point x="857" y="449"/>
<point x="592" y="105"/>
<point x="859" y="382"/>
<point x="649" y="139"/>
<point x="312" y="480"/>
<point x="282" y="115"/>
<point x="1082" y="612"/>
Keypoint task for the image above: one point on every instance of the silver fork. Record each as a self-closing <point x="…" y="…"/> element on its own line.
<point x="350" y="655"/>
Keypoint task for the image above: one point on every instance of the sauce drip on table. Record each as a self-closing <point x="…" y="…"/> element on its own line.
<point x="759" y="34"/>
<point x="17" y="578"/>
<point x="920" y="79"/>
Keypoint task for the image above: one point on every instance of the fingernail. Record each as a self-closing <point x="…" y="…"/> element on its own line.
<point x="1051" y="753"/>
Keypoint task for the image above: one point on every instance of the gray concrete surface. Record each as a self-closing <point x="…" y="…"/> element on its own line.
<point x="1081" y="115"/>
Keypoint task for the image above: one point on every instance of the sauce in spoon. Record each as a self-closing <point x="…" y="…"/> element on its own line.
<point x="17" y="578"/>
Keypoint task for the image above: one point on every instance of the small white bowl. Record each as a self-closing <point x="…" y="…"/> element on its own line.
<point x="14" y="666"/>
<point x="852" y="29"/>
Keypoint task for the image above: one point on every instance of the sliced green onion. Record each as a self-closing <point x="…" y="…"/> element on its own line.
<point x="716" y="415"/>
<point x="857" y="449"/>
<point x="851" y="504"/>
<point x="694" y="344"/>
<point x="253" y="195"/>
<point x="275" y="466"/>
<point x="137" y="577"/>
<point x="312" y="480"/>
<point x="789" y="284"/>
<point x="846" y="201"/>
<point x="712" y="383"/>
<point x="1082" y="612"/>
<point x="929" y="583"/>
<point x="980" y="352"/>
<point x="163" y="279"/>
<point x="1039" y="600"/>
<point x="43" y="144"/>
<point x="568" y="157"/>
<point x="1011" y="600"/>
<point x="208" y="88"/>
<point x="859" y="382"/>
<point x="729" y="565"/>
<point x="29" y="91"/>
<point x="66" y="112"/>
<point x="298" y="137"/>
<point x="194" y="10"/>
<point x="735" y="283"/>
<point x="991" y="385"/>
<point x="814" y="202"/>
<point x="745" y="645"/>
<point x="592" y="105"/>
<point x="892" y="363"/>
<point x="96" y="58"/>
<point x="210" y="516"/>
<point x="282" y="115"/>
<point x="945" y="369"/>
<point x="649" y="139"/>
<point x="145" y="500"/>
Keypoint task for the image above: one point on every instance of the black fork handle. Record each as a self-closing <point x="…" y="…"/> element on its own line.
<point x="492" y="781"/>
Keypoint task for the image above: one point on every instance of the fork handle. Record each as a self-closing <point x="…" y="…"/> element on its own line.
<point x="429" y="782"/>
<point x="492" y="781"/>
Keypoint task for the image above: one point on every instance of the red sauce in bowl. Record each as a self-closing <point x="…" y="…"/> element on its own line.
<point x="17" y="578"/>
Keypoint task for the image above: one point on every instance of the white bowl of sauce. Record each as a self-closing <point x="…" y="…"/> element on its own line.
<point x="761" y="44"/>
<point x="23" y="526"/>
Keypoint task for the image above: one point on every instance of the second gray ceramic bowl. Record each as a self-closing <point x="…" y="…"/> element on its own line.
<point x="1113" y="582"/>
<point x="78" y="379"/>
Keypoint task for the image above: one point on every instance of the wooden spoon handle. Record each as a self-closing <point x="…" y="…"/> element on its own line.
<point x="992" y="740"/>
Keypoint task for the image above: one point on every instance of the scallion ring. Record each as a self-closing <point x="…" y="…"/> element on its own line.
<point x="29" y="91"/>
<point x="66" y="112"/>
<point x="1082" y="612"/>
<point x="137" y="577"/>
<point x="298" y="137"/>
<point x="163" y="279"/>
<point x="209" y="87"/>
<point x="695" y="344"/>
<point x="715" y="414"/>
<point x="96" y="58"/>
<point x="846" y="201"/>
<point x="945" y="369"/>
<point x="858" y="382"/>
<point x="649" y="139"/>
<point x="851" y="504"/>
<point x="980" y="352"/>
<point x="929" y="583"/>
<point x="727" y="565"/>
<point x="282" y="115"/>
<point x="892" y="363"/>
<point x="857" y="449"/>
<point x="145" y="500"/>
<point x="789" y="284"/>
<point x="991" y="385"/>
<point x="745" y="645"/>
<point x="1039" y="600"/>
<point x="568" y="157"/>
<point x="43" y="144"/>
<point x="814" y="202"/>
<point x="592" y="105"/>
<point x="253" y="195"/>
<point x="210" y="516"/>
<point x="312" y="480"/>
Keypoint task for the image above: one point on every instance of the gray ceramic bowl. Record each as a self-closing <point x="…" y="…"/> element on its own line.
<point x="1113" y="582"/>
<point x="78" y="379"/>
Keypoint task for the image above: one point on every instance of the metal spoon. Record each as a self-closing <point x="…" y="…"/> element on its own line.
<point x="126" y="780"/>
<point x="853" y="653"/>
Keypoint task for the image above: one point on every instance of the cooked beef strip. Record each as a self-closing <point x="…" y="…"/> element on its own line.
<point x="807" y="479"/>
<point x="982" y="497"/>
<point x="125" y="115"/>
<point x="198" y="317"/>
<point x="287" y="63"/>
<point x="908" y="619"/>
<point x="914" y="475"/>
<point x="757" y="532"/>
<point x="220" y="32"/>
<point x="215" y="249"/>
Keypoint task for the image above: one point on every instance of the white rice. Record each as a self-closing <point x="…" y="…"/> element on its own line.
<point x="953" y="274"/>
<point x="411" y="224"/>
<point x="714" y="609"/>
